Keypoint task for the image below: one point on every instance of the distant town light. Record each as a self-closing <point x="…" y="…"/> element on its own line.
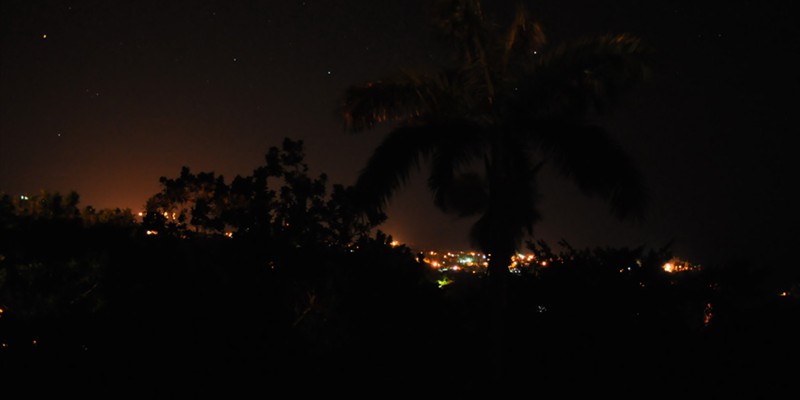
<point x="471" y="260"/>
<point x="444" y="282"/>
<point x="677" y="265"/>
<point x="152" y="232"/>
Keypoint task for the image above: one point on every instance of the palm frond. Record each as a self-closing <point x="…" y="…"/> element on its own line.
<point x="582" y="75"/>
<point x="461" y="24"/>
<point x="458" y="94"/>
<point x="383" y="100"/>
<point x="391" y="163"/>
<point x="466" y="194"/>
<point x="524" y="39"/>
<point x="460" y="142"/>
<point x="409" y="96"/>
<point x="513" y="206"/>
<point x="587" y="155"/>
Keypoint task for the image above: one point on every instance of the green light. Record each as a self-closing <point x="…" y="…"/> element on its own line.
<point x="444" y="282"/>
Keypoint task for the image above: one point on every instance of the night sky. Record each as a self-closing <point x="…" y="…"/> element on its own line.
<point x="104" y="97"/>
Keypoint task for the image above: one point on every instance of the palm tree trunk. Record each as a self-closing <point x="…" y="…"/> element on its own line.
<point x="497" y="292"/>
<point x="500" y="246"/>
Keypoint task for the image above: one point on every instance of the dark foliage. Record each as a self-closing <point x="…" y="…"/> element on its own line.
<point x="87" y="294"/>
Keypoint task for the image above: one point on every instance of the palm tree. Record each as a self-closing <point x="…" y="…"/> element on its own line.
<point x="488" y="123"/>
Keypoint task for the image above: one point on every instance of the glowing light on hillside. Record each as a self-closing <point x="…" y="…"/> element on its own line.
<point x="229" y="234"/>
<point x="444" y="282"/>
<point x="707" y="314"/>
<point x="394" y="243"/>
<point x="677" y="265"/>
<point x="152" y="232"/>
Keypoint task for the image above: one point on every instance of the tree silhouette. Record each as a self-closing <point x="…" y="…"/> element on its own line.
<point x="487" y="123"/>
<point x="279" y="201"/>
<point x="191" y="200"/>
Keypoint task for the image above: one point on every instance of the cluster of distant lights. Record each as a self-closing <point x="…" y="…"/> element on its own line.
<point x="462" y="260"/>
<point x="675" y="265"/>
<point x="473" y="261"/>
<point x="456" y="261"/>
